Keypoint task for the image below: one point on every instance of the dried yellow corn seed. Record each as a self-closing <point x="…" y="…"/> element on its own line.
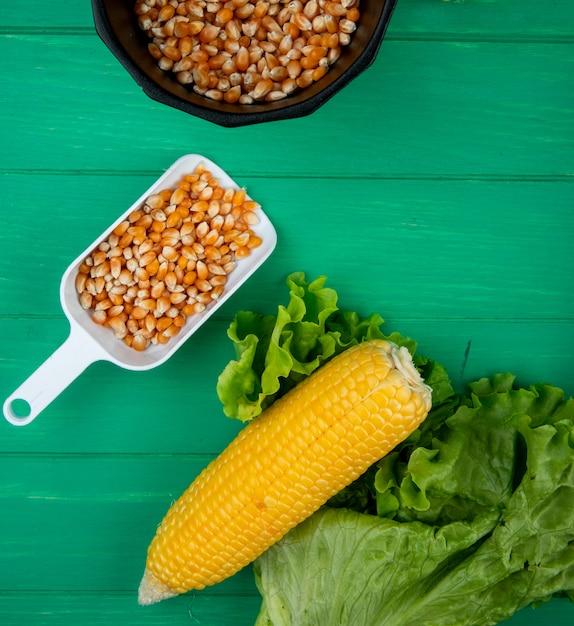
<point x="161" y="250"/>
<point x="284" y="465"/>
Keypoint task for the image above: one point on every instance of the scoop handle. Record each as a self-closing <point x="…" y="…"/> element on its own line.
<point x="52" y="377"/>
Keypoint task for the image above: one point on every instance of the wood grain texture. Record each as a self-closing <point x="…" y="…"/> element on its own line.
<point x="504" y="126"/>
<point x="436" y="190"/>
<point x="501" y="248"/>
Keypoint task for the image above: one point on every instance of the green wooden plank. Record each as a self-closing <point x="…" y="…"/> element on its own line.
<point x="84" y="522"/>
<point x="175" y="410"/>
<point x="151" y="482"/>
<point x="73" y="546"/>
<point x="470" y="350"/>
<point x="17" y="16"/>
<point x="171" y="409"/>
<point x="96" y="516"/>
<point x="89" y="545"/>
<point x="50" y="609"/>
<point x="35" y="609"/>
<point x="434" y="117"/>
<point x="476" y="250"/>
<point x="91" y="558"/>
<point x="94" y="609"/>
<point x="508" y="18"/>
<point x="482" y="19"/>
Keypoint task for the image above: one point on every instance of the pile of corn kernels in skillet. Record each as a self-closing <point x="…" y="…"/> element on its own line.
<point x="247" y="51"/>
<point x="168" y="260"/>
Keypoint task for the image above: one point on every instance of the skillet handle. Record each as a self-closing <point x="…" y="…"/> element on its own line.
<point x="51" y="378"/>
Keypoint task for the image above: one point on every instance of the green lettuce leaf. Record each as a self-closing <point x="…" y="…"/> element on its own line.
<point x="275" y="352"/>
<point x="475" y="521"/>
<point x="470" y="453"/>
<point x="345" y="567"/>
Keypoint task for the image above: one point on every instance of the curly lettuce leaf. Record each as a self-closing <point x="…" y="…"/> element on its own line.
<point x="275" y="352"/>
<point x="472" y="458"/>
<point x="477" y="523"/>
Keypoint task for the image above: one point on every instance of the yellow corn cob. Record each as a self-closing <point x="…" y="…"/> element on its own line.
<point x="284" y="465"/>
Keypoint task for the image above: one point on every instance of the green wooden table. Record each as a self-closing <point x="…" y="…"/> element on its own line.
<point x="437" y="190"/>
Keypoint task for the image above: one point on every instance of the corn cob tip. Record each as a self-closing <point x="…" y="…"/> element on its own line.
<point x="151" y="590"/>
<point x="403" y="362"/>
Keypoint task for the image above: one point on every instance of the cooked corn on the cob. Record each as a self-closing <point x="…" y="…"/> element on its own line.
<point x="284" y="465"/>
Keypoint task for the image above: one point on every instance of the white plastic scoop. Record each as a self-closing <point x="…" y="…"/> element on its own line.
<point x="89" y="342"/>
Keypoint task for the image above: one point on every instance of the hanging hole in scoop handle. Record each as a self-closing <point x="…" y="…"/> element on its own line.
<point x="51" y="378"/>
